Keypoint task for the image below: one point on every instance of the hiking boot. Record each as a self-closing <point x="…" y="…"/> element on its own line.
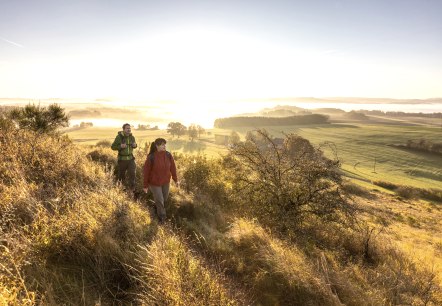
<point x="136" y="195"/>
<point x="131" y="193"/>
<point x="162" y="219"/>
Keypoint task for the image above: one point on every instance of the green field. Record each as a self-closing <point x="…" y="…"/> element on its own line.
<point x="366" y="154"/>
<point x="364" y="150"/>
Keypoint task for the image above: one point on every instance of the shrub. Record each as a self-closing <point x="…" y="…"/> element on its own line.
<point x="431" y="194"/>
<point x="406" y="192"/>
<point x="203" y="176"/>
<point x="409" y="192"/>
<point x="104" y="156"/>
<point x="104" y="144"/>
<point x="386" y="185"/>
<point x="354" y="189"/>
<point x="53" y="163"/>
<point x="281" y="184"/>
<point x="40" y="119"/>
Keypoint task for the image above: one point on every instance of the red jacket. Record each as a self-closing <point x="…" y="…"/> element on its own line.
<point x="161" y="171"/>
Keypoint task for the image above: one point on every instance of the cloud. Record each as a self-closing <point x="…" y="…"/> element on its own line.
<point x="12" y="43"/>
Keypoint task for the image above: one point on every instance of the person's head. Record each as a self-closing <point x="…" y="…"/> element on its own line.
<point x="158" y="145"/>
<point x="126" y="128"/>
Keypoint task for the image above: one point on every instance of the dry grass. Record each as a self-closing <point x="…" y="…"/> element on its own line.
<point x="326" y="264"/>
<point x="414" y="227"/>
<point x="173" y="275"/>
<point x="69" y="236"/>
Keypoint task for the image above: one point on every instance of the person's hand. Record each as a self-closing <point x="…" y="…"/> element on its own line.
<point x="145" y="190"/>
<point x="177" y="183"/>
<point x="134" y="145"/>
<point x="123" y="146"/>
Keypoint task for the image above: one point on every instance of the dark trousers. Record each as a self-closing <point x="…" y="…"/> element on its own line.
<point x="130" y="167"/>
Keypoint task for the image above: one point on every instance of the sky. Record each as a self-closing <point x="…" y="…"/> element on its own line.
<point x="195" y="51"/>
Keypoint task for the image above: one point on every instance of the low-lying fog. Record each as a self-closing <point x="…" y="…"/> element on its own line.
<point x="115" y="113"/>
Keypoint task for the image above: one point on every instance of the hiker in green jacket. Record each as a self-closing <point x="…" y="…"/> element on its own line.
<point x="124" y="143"/>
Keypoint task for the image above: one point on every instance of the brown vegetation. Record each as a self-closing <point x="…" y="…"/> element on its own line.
<point x="409" y="192"/>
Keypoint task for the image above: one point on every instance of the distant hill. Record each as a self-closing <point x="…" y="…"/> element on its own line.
<point x="356" y="116"/>
<point x="292" y="108"/>
<point x="334" y="111"/>
<point x="360" y="100"/>
<point x="84" y="113"/>
<point x="278" y="113"/>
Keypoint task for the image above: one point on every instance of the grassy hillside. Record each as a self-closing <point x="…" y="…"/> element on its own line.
<point x="366" y="154"/>
<point x="264" y="224"/>
<point x="71" y="236"/>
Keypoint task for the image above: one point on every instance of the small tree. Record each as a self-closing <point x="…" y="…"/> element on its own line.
<point x="201" y="130"/>
<point x="176" y="128"/>
<point x="40" y="119"/>
<point x="86" y="124"/>
<point x="284" y="184"/>
<point x="234" y="138"/>
<point x="104" y="143"/>
<point x="192" y="131"/>
<point x="143" y="127"/>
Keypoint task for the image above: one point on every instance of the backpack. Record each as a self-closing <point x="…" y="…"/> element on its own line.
<point x="123" y="139"/>
<point x="152" y="158"/>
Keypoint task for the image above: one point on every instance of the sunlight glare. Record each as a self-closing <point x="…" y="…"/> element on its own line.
<point x="203" y="65"/>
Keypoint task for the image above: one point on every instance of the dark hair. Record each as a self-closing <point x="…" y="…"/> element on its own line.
<point x="157" y="142"/>
<point x="124" y="125"/>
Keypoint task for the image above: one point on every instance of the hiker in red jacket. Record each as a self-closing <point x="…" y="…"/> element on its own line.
<point x="158" y="169"/>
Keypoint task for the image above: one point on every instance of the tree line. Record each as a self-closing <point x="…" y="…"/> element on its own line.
<point x="424" y="145"/>
<point x="421" y="144"/>
<point x="271" y="121"/>
<point x="400" y="114"/>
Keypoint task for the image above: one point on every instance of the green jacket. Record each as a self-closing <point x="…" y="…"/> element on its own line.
<point x="126" y="153"/>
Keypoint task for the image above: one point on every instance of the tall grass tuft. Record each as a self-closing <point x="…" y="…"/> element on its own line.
<point x="173" y="275"/>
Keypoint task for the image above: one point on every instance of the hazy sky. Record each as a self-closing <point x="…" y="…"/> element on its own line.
<point x="200" y="50"/>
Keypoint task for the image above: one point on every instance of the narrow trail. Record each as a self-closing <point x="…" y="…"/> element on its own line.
<point x="193" y="246"/>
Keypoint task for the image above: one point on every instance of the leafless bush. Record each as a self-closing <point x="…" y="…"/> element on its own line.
<point x="406" y="192"/>
<point x="283" y="182"/>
